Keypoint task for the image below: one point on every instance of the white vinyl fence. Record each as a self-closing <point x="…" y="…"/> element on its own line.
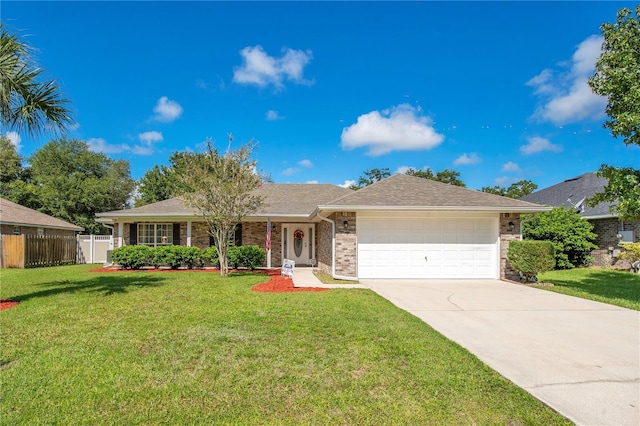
<point x="94" y="248"/>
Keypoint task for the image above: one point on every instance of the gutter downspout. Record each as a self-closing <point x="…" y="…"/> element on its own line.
<point x="333" y="251"/>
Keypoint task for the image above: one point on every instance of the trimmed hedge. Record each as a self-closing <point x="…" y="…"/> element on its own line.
<point x="531" y="257"/>
<point x="139" y="256"/>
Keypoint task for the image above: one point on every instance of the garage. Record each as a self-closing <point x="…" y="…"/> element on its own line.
<point x="427" y="245"/>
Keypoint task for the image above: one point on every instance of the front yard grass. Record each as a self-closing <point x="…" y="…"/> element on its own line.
<point x="619" y="288"/>
<point x="192" y="348"/>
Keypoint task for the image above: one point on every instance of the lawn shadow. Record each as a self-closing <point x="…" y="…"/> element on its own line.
<point x="606" y="283"/>
<point x="107" y="285"/>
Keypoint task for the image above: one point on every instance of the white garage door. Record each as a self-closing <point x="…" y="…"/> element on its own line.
<point x="427" y="247"/>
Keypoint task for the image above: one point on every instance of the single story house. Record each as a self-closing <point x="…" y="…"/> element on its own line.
<point x="572" y="194"/>
<point x="399" y="227"/>
<point x="18" y="220"/>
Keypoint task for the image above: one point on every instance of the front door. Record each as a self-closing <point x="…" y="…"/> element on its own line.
<point x="297" y="243"/>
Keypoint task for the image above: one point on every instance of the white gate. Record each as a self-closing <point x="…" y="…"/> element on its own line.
<point x="94" y="248"/>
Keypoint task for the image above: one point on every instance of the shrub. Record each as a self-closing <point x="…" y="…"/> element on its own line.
<point x="192" y="257"/>
<point x="132" y="257"/>
<point x="531" y="257"/>
<point x="170" y="256"/>
<point x="572" y="236"/>
<point x="210" y="255"/>
<point x="249" y="257"/>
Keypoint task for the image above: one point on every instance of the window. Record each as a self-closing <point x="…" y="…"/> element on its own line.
<point x="17" y="230"/>
<point x="40" y="232"/>
<point x="155" y="234"/>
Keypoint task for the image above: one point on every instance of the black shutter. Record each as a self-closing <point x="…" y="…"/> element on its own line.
<point x="212" y="241"/>
<point x="133" y="234"/>
<point x="176" y="234"/>
<point x="237" y="238"/>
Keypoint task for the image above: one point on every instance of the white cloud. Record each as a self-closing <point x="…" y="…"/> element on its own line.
<point x="403" y="169"/>
<point x="262" y="70"/>
<point x="400" y="128"/>
<point x="564" y="95"/>
<point x="15" y="139"/>
<point x="101" y="145"/>
<point x="305" y="163"/>
<point x="537" y="144"/>
<point x="149" y="138"/>
<point x="312" y="181"/>
<point x="510" y="167"/>
<point x="465" y="159"/>
<point x="273" y="115"/>
<point x="289" y="171"/>
<point x="166" y="110"/>
<point x="347" y="183"/>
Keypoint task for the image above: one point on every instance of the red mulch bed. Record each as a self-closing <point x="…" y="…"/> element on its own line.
<point x="6" y="304"/>
<point x="277" y="283"/>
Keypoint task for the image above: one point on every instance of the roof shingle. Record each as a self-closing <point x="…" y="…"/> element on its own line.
<point x="15" y="214"/>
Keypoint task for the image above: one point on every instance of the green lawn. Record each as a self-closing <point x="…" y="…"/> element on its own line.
<point x="619" y="288"/>
<point x="191" y="348"/>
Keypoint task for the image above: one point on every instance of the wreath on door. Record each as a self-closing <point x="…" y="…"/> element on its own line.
<point x="298" y="235"/>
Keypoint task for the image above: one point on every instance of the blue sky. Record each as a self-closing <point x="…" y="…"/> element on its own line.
<point x="494" y="90"/>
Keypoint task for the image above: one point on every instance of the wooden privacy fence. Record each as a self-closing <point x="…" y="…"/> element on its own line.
<point x="31" y="251"/>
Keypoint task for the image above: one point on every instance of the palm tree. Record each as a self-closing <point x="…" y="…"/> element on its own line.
<point x="26" y="103"/>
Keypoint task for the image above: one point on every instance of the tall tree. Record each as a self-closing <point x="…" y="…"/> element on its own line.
<point x="451" y="177"/>
<point x="220" y="186"/>
<point x="28" y="103"/>
<point x="74" y="183"/>
<point x="515" y="190"/>
<point x="161" y="182"/>
<point x="10" y="161"/>
<point x="371" y="176"/>
<point x="617" y="77"/>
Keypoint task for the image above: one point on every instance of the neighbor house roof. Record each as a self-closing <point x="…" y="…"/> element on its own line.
<point x="404" y="192"/>
<point x="281" y="199"/>
<point x="17" y="215"/>
<point x="572" y="193"/>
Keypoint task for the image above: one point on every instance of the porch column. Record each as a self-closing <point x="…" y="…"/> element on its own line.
<point x="268" y="245"/>
<point x="188" y="233"/>
<point x="120" y="232"/>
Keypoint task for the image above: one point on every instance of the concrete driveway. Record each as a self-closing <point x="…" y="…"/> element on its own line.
<point x="581" y="358"/>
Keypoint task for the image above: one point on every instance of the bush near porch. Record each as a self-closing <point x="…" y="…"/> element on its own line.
<point x="140" y="256"/>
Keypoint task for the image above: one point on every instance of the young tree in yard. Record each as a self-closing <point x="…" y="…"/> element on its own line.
<point x="515" y="190"/>
<point x="27" y="103"/>
<point x="571" y="235"/>
<point x="220" y="186"/>
<point x="73" y="183"/>
<point x="617" y="77"/>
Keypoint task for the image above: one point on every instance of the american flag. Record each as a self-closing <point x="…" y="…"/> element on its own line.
<point x="268" y="235"/>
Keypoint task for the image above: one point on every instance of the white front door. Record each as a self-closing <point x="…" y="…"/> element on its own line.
<point x="297" y="242"/>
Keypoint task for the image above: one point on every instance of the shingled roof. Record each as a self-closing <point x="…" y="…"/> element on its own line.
<point x="281" y="199"/>
<point x="17" y="215"/>
<point x="572" y="193"/>
<point x="401" y="191"/>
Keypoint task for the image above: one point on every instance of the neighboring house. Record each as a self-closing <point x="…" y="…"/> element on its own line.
<point x="400" y="227"/>
<point x="18" y="220"/>
<point x="572" y="194"/>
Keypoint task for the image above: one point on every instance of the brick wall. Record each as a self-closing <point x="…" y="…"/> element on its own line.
<point x="255" y="234"/>
<point x="346" y="244"/>
<point x="33" y="230"/>
<point x="506" y="236"/>
<point x="324" y="241"/>
<point x="607" y="230"/>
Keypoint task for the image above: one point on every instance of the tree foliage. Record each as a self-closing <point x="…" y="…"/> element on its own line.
<point x="220" y="186"/>
<point x="623" y="189"/>
<point x="10" y="161"/>
<point x="515" y="190"/>
<point x="27" y="102"/>
<point x="572" y="236"/>
<point x="451" y="177"/>
<point x="161" y="182"/>
<point x="67" y="181"/>
<point x="370" y="177"/>
<point x="617" y="75"/>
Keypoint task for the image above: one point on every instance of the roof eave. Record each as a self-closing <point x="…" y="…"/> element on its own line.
<point x="512" y="209"/>
<point x="41" y="225"/>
